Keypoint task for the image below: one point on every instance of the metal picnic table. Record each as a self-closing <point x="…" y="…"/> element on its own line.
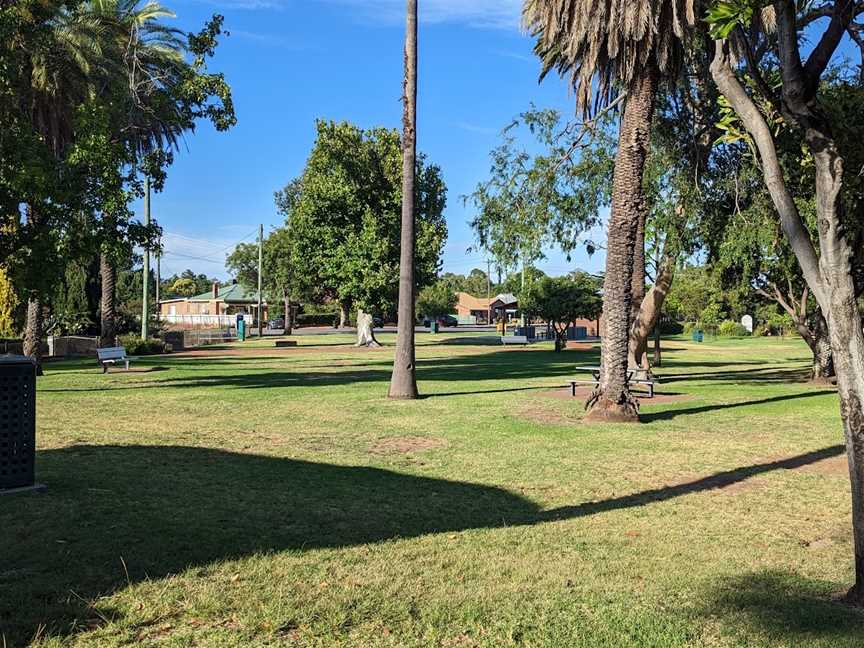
<point x="595" y="374"/>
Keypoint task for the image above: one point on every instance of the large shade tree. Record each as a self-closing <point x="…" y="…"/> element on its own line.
<point x="560" y="301"/>
<point x="827" y="265"/>
<point x="615" y="51"/>
<point x="345" y="219"/>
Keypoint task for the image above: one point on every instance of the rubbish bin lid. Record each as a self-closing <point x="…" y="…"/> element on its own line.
<point x="16" y="359"/>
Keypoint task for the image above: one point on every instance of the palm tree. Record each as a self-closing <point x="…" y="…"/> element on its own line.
<point x="403" y="383"/>
<point x="63" y="68"/>
<point x="149" y="65"/>
<point x="615" y="51"/>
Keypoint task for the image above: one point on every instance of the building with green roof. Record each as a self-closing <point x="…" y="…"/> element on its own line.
<point x="218" y="307"/>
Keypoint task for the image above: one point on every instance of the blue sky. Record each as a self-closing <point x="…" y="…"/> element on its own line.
<point x="292" y="61"/>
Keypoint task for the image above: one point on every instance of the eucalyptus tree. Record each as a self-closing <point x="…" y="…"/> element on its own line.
<point x="798" y="97"/>
<point x="615" y="51"/>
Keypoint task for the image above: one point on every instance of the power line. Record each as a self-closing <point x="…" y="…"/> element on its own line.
<point x="211" y="259"/>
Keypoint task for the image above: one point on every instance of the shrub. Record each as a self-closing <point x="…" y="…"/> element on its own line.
<point x="135" y="346"/>
<point x="669" y="326"/>
<point x="689" y="327"/>
<point x="317" y="319"/>
<point x="319" y="309"/>
<point x="728" y="328"/>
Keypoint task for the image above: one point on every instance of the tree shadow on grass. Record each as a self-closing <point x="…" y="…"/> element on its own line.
<point x="158" y="510"/>
<point x="716" y="481"/>
<point x="115" y="515"/>
<point x="499" y="365"/>
<point x="785" y="609"/>
<point x="766" y="373"/>
<point x="669" y="414"/>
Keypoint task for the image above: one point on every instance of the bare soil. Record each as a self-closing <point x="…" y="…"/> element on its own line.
<point x="406" y="445"/>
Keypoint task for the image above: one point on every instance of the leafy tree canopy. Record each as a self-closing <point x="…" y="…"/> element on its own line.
<point x="436" y="300"/>
<point x="343" y="218"/>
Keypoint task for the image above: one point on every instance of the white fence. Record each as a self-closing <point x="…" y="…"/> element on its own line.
<point x="205" y="321"/>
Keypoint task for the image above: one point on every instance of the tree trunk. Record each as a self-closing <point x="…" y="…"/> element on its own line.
<point x="823" y="356"/>
<point x="828" y="274"/>
<point x="816" y="336"/>
<point x="33" y="332"/>
<point x="289" y="317"/>
<point x="658" y="352"/>
<point x="403" y="382"/>
<point x="365" y="331"/>
<point x="648" y="316"/>
<point x="343" y="315"/>
<point x="33" y="327"/>
<point x="108" y="274"/>
<point x="847" y="340"/>
<point x="560" y="339"/>
<point x="612" y="401"/>
<point x="639" y="274"/>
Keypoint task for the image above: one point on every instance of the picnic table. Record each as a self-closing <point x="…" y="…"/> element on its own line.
<point x="595" y="380"/>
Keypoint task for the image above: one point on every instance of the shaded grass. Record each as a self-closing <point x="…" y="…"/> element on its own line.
<point x="237" y="500"/>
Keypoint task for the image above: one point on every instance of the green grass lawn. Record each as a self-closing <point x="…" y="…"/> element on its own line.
<point x="278" y="498"/>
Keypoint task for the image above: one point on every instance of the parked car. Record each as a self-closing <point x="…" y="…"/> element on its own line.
<point x="444" y="320"/>
<point x="275" y="324"/>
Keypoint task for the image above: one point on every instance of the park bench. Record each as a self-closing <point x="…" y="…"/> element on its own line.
<point x="112" y="355"/>
<point x="514" y="339"/>
<point x="595" y="380"/>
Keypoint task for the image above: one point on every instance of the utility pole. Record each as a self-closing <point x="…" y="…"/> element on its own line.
<point x="260" y="264"/>
<point x="158" y="274"/>
<point x="145" y="307"/>
<point x="488" y="291"/>
<point x="522" y="296"/>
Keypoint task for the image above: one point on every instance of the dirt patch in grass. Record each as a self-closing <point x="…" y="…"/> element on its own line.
<point x="582" y="346"/>
<point x="539" y="414"/>
<point x="833" y="466"/>
<point x="406" y="445"/>
<point x="583" y="392"/>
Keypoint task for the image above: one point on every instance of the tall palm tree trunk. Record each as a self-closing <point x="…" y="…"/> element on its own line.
<point x="612" y="401"/>
<point x="403" y="383"/>
<point x="108" y="274"/>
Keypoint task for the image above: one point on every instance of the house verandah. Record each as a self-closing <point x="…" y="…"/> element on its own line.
<point x="217" y="308"/>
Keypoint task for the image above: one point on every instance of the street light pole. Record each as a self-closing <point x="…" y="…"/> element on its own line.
<point x="260" y="264"/>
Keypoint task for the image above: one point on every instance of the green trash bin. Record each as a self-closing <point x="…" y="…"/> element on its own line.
<point x="241" y="329"/>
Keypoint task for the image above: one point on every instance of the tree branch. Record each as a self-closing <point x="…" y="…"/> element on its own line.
<point x="841" y="17"/>
<point x="790" y="219"/>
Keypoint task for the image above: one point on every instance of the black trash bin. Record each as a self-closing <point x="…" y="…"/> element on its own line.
<point x="17" y="422"/>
